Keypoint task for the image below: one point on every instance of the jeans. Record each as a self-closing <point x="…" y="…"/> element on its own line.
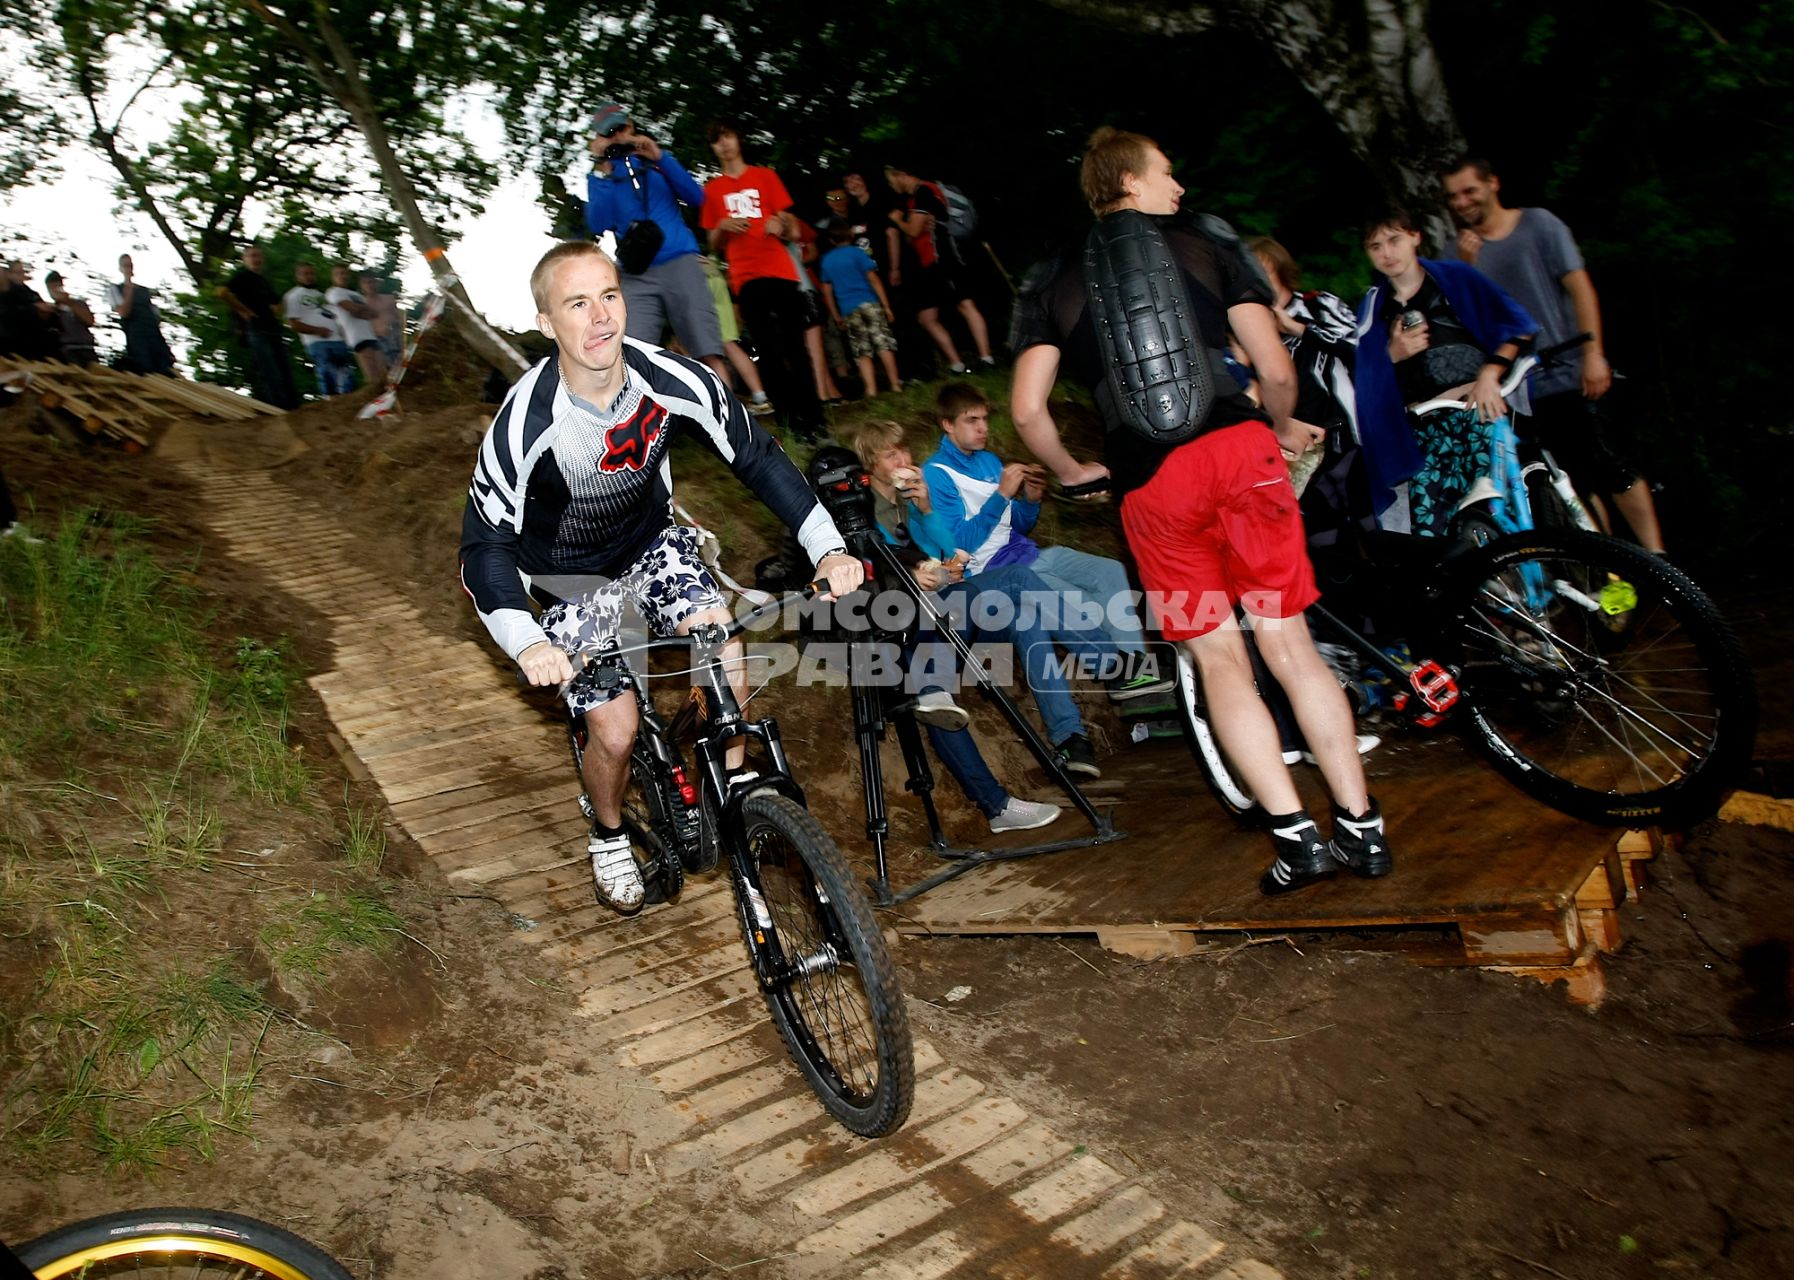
<point x="1078" y="573"/>
<point x="1034" y="640"/>
<point x="273" y="371"/>
<point x="334" y="364"/>
<point x="960" y="754"/>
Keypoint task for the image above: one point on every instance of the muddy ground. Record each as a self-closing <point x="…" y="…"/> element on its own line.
<point x="1337" y="1113"/>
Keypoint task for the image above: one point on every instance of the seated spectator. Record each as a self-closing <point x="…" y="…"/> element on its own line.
<point x="146" y="350"/>
<point x="1020" y="610"/>
<point x="858" y="305"/>
<point x="356" y="319"/>
<point x="73" y="320"/>
<point x="938" y="275"/>
<point x="1430" y="330"/>
<point x="310" y="316"/>
<point x="988" y="508"/>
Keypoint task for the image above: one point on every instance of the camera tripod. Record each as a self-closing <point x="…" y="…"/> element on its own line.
<point x="877" y="706"/>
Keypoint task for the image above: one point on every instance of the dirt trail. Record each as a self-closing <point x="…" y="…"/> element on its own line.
<point x="598" y="1098"/>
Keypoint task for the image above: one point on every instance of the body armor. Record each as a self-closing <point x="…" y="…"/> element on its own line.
<point x="1159" y="380"/>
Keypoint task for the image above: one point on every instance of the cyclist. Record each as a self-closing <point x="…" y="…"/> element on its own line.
<point x="571" y="507"/>
<point x="1429" y="330"/>
<point x="1206" y="501"/>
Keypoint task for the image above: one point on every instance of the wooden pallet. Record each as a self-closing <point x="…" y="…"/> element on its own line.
<point x="1484" y="876"/>
<point x="125" y="406"/>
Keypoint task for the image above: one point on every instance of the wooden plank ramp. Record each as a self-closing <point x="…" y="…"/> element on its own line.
<point x="131" y="407"/>
<point x="1484" y="875"/>
<point x="972" y="1186"/>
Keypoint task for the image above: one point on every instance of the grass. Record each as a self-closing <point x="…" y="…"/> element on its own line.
<point x="132" y="1027"/>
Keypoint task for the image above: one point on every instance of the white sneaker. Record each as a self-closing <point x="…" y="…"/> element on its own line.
<point x="22" y="534"/>
<point x="936" y="707"/>
<point x="1367" y="743"/>
<point x="615" y="875"/>
<point x="1024" y="815"/>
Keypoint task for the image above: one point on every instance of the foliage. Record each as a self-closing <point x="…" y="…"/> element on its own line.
<point x="132" y="1029"/>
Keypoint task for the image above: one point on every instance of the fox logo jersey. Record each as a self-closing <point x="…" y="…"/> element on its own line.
<point x="629" y="444"/>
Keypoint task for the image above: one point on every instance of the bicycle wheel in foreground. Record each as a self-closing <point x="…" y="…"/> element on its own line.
<point x="830" y="982"/>
<point x="194" y="1243"/>
<point x="1599" y="679"/>
<point x="1223" y="779"/>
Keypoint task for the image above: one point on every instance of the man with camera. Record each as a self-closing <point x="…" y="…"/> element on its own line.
<point x="635" y="190"/>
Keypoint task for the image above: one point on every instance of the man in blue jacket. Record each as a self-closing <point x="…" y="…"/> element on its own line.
<point x="636" y="179"/>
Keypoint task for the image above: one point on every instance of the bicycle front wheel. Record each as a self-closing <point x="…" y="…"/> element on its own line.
<point x="1598" y="678"/>
<point x="823" y="968"/>
<point x="194" y="1243"/>
<point x="1199" y="731"/>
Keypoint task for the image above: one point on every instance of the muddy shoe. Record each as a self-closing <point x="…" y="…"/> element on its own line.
<point x="1360" y="843"/>
<point x="1303" y="858"/>
<point x="615" y="875"/>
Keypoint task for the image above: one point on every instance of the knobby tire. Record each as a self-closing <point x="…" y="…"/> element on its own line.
<point x="845" y="1023"/>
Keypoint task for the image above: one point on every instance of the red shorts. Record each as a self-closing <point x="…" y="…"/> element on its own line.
<point x="1218" y="525"/>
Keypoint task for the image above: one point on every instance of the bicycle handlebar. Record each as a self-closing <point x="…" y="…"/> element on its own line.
<point x="1515" y="376"/>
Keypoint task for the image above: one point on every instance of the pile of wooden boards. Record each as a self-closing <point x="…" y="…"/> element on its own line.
<point x="127" y="407"/>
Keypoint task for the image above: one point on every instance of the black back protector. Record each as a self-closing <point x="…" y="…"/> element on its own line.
<point x="1159" y="380"/>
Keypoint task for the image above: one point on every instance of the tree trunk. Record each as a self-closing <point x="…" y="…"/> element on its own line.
<point x="107" y="141"/>
<point x="1369" y="63"/>
<point x="340" y="74"/>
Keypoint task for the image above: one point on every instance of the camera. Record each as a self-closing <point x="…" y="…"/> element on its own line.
<point x="1413" y="319"/>
<point x="618" y="150"/>
<point x="845" y="490"/>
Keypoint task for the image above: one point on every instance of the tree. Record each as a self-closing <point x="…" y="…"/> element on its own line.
<point x="435" y="53"/>
<point x="1370" y="64"/>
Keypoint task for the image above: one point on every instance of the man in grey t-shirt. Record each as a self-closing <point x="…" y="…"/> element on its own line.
<point x="1531" y="254"/>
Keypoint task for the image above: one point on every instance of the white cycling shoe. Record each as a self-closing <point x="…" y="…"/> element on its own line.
<point x="615" y="876"/>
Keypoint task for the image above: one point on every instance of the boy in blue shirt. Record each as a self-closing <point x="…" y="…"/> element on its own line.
<point x="990" y="507"/>
<point x="858" y="305"/>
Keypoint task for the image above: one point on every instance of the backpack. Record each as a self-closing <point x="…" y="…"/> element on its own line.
<point x="962" y="214"/>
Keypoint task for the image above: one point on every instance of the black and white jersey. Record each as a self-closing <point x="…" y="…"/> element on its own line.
<point x="565" y="494"/>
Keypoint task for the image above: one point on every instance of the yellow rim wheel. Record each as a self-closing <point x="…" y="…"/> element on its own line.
<point x="182" y="1249"/>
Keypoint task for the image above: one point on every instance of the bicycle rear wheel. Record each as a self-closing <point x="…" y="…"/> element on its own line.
<point x="1228" y="787"/>
<point x="1598" y="678"/>
<point x="194" y="1243"/>
<point x="823" y="968"/>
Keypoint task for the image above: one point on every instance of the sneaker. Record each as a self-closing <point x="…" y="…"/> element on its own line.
<point x="20" y="533"/>
<point x="615" y="875"/>
<point x="989" y="362"/>
<point x="936" y="707"/>
<point x="1360" y="843"/>
<point x="1139" y="678"/>
<point x="760" y="404"/>
<point x="1075" y="756"/>
<point x="1367" y="743"/>
<point x="1024" y="815"/>
<point x="958" y="369"/>
<point x="1303" y="858"/>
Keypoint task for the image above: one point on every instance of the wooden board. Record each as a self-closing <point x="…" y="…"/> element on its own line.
<point x="1518" y="884"/>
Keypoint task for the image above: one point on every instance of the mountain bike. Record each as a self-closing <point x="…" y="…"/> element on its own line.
<point x="1593" y="675"/>
<point x="193" y="1243"/>
<point x="817" y="953"/>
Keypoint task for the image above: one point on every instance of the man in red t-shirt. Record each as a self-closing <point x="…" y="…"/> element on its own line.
<point x="935" y="274"/>
<point x="747" y="213"/>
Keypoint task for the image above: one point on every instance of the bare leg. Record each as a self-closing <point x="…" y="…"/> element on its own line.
<point x="974" y="319"/>
<point x="721" y="365"/>
<point x="1240" y="717"/>
<point x="825" y="382"/>
<point x="738" y="681"/>
<point x="373" y="366"/>
<point x="1641" y="513"/>
<point x="605" y="768"/>
<point x="889" y="360"/>
<point x="745" y="368"/>
<point x="930" y="320"/>
<point x="867" y="375"/>
<point x="1320" y="706"/>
